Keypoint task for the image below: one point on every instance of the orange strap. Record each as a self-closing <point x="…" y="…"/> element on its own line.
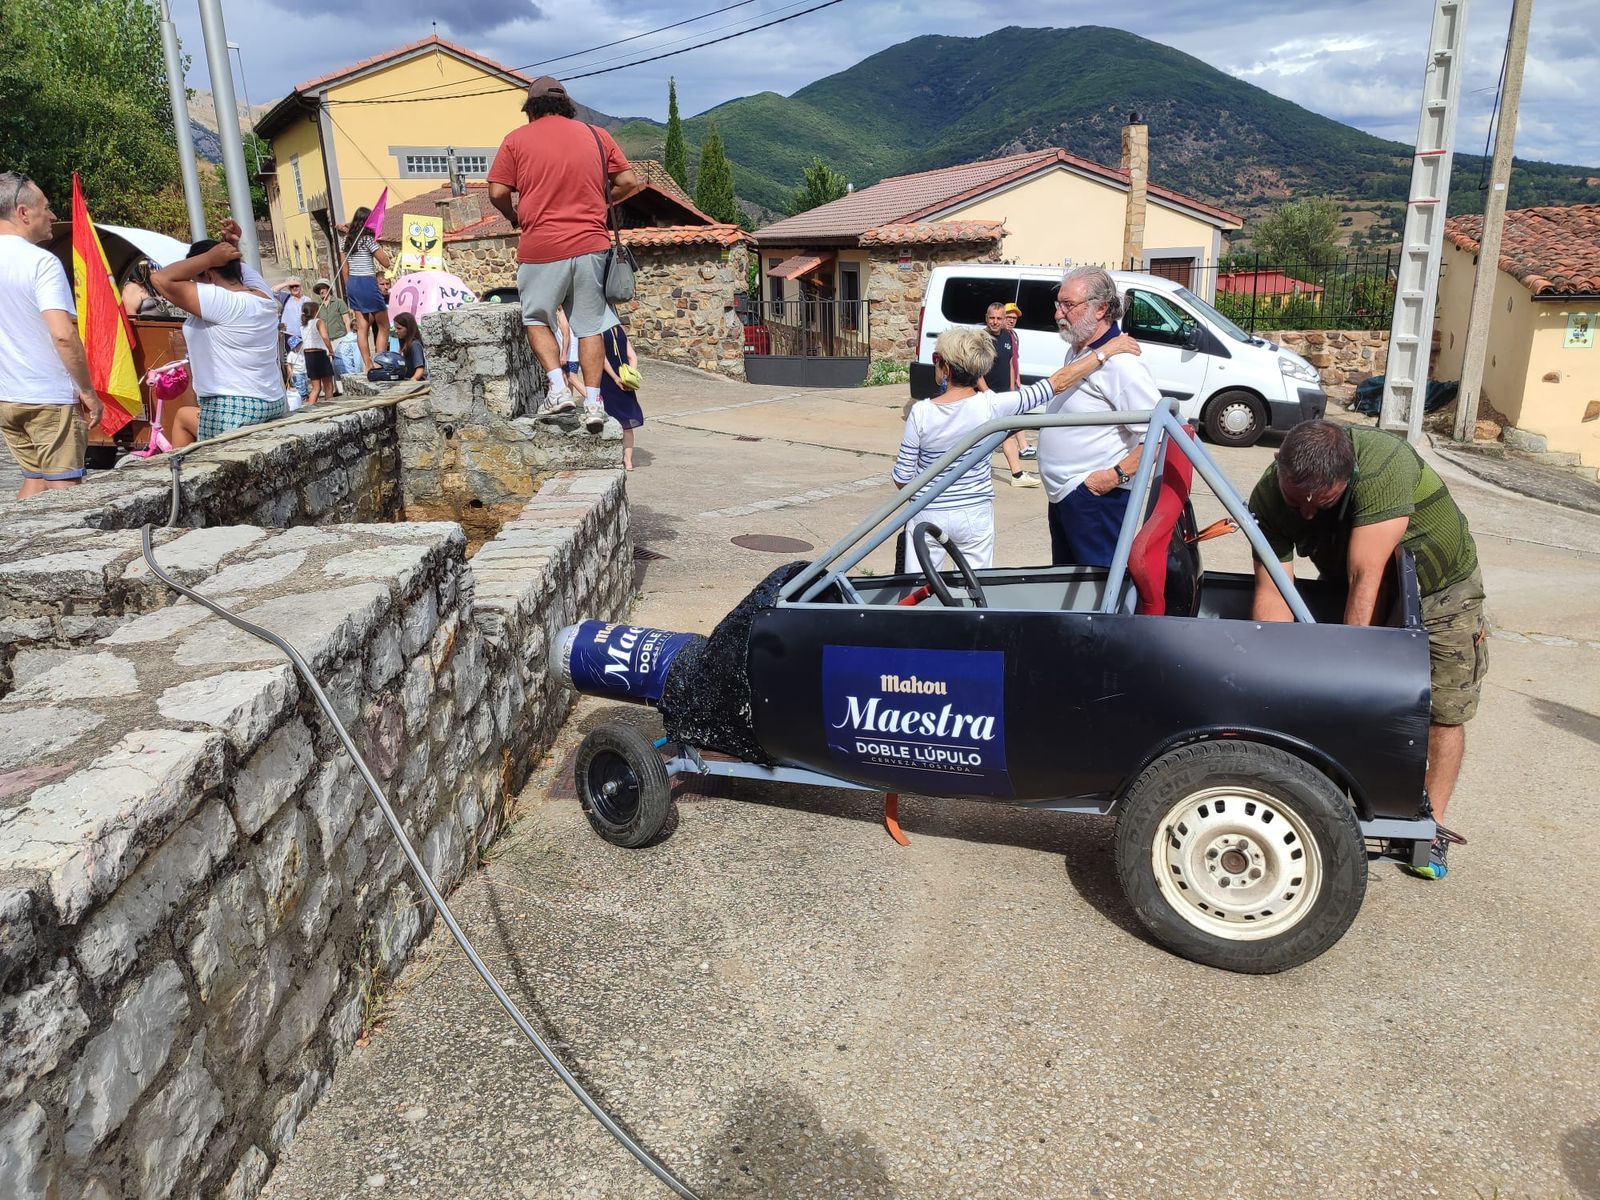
<point x="891" y="817"/>
<point x="1215" y="529"/>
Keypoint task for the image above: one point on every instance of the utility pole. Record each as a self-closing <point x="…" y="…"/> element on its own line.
<point x="227" y="101"/>
<point x="1494" y="217"/>
<point x="179" y="94"/>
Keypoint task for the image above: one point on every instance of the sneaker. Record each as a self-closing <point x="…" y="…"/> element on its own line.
<point x="1024" y="480"/>
<point x="1437" y="866"/>
<point x="1029" y="452"/>
<point x="594" y="417"/>
<point x="555" y="406"/>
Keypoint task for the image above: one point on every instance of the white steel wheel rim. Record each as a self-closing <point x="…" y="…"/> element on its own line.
<point x="1236" y="863"/>
<point x="1238" y="417"/>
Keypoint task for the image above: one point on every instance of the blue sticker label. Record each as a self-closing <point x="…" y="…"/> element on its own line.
<point x="626" y="661"/>
<point x="919" y="718"/>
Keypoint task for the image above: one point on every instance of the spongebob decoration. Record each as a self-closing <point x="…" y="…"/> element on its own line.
<point x="421" y="243"/>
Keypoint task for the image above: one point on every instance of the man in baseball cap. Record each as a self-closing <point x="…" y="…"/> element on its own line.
<point x="561" y="171"/>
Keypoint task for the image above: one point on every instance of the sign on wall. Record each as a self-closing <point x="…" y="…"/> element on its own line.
<point x="1580" y="331"/>
<point x="421" y="243"/>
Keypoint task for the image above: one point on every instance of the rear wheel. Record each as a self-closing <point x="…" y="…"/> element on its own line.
<point x="1235" y="418"/>
<point x="623" y="786"/>
<point x="1240" y="856"/>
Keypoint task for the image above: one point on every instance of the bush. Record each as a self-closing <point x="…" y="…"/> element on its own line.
<point x="886" y="371"/>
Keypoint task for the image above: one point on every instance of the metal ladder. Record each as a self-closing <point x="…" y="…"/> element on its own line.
<point x="1405" y="383"/>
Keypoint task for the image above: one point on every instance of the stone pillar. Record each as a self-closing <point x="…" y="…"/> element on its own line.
<point x="1136" y="162"/>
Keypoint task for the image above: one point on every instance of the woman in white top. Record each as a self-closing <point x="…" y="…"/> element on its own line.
<point x="961" y="357"/>
<point x="231" y="336"/>
<point x="362" y="258"/>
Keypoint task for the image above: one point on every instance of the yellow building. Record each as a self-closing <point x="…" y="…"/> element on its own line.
<point x="1542" y="367"/>
<point x="388" y="121"/>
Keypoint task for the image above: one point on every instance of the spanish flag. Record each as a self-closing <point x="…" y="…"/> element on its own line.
<point x="103" y="326"/>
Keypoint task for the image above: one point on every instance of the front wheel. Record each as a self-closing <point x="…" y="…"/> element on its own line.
<point x="623" y="786"/>
<point x="1235" y="418"/>
<point x="1240" y="856"/>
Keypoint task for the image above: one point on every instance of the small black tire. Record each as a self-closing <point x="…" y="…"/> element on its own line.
<point x="1235" y="418"/>
<point x="623" y="786"/>
<point x="1240" y="856"/>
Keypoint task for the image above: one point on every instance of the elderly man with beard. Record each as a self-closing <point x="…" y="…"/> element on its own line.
<point x="1087" y="468"/>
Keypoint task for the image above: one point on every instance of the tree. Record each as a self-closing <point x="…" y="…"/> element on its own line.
<point x="84" y="89"/>
<point x="255" y="150"/>
<point x="713" y="192"/>
<point x="675" y="158"/>
<point x="1301" y="233"/>
<point x="822" y="185"/>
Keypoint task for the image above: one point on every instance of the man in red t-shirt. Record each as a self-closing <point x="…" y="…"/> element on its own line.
<point x="561" y="170"/>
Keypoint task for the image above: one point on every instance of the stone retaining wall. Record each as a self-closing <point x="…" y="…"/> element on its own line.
<point x="197" y="896"/>
<point x="1343" y="357"/>
<point x="895" y="289"/>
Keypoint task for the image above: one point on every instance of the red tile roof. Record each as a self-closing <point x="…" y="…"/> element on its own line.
<point x="488" y="64"/>
<point x="685" y="235"/>
<point x="1552" y="251"/>
<point x="933" y="232"/>
<point x="655" y="175"/>
<point x="906" y="198"/>
<point x="1265" y="283"/>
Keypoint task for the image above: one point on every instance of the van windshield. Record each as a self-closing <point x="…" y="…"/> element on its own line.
<point x="1216" y="318"/>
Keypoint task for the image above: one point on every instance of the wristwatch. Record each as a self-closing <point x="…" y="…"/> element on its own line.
<point x="1101" y="355"/>
<point x="1122" y="476"/>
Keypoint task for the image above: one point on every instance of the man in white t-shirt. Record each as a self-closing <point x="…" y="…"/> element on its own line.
<point x="1087" y="468"/>
<point x="47" y="404"/>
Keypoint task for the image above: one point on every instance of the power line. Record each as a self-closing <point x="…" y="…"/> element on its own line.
<point x="579" y="53"/>
<point x="602" y="71"/>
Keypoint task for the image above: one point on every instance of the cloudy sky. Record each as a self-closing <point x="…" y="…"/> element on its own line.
<point x="1359" y="61"/>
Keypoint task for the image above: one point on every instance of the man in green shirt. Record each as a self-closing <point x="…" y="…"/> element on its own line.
<point x="336" y="316"/>
<point x="1346" y="497"/>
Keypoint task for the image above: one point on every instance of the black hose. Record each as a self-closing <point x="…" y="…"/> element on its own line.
<point x="606" y="1120"/>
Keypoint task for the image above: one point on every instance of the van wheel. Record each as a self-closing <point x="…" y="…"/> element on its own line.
<point x="1240" y="856"/>
<point x="1235" y="418"/>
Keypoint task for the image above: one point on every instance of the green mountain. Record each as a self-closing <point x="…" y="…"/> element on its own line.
<point x="935" y="101"/>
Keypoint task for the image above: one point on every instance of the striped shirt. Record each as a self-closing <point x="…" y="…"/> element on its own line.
<point x="1390" y="481"/>
<point x="360" y="260"/>
<point x="934" y="429"/>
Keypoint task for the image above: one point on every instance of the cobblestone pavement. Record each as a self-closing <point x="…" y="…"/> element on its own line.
<point x="783" y="1003"/>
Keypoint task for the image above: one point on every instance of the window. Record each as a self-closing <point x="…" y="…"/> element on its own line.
<point x="967" y="299"/>
<point x="1153" y="318"/>
<point x="1179" y="270"/>
<point x="299" y="192"/>
<point x="775" y="289"/>
<point x="849" y="296"/>
<point x="433" y="162"/>
<point x="1037" y="300"/>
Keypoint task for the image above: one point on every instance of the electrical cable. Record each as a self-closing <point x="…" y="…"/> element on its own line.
<point x="1494" y="116"/>
<point x="432" y="87"/>
<point x="604" y="70"/>
<point x="605" y="1119"/>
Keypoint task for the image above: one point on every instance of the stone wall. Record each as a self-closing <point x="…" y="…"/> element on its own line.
<point x="684" y="291"/>
<point x="198" y="898"/>
<point x="894" y="291"/>
<point x="1343" y="357"/>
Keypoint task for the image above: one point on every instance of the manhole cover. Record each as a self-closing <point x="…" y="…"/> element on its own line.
<point x="645" y="554"/>
<point x="772" y="543"/>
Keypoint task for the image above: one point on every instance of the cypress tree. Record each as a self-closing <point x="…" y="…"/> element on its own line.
<point x="675" y="158"/>
<point x="713" y="193"/>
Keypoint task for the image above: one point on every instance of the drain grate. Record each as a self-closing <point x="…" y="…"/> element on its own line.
<point x="772" y="543"/>
<point x="746" y="438"/>
<point x="645" y="554"/>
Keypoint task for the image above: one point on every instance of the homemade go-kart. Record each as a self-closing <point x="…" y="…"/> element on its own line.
<point x="1249" y="765"/>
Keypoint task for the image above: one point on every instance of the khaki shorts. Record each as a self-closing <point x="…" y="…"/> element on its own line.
<point x="574" y="284"/>
<point x="47" y="440"/>
<point x="1458" y="648"/>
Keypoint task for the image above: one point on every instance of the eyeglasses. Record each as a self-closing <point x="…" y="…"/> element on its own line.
<point x="1065" y="306"/>
<point x="23" y="183"/>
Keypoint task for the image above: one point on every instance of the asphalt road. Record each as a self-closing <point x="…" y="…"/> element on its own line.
<point x="781" y="1002"/>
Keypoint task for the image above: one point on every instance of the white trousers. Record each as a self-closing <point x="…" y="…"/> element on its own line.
<point x="970" y="528"/>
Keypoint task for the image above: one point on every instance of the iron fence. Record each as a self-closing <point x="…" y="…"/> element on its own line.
<point x="807" y="327"/>
<point x="1353" y="292"/>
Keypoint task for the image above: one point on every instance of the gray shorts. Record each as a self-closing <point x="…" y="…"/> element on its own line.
<point x="570" y="283"/>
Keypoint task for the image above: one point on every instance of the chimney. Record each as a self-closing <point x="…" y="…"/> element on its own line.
<point x="1136" y="163"/>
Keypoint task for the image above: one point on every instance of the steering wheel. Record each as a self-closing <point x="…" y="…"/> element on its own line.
<point x="920" y="543"/>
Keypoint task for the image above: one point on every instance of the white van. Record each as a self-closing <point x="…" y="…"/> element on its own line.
<point x="1236" y="387"/>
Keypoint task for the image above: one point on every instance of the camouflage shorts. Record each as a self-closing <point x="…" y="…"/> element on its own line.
<point x="1458" y="649"/>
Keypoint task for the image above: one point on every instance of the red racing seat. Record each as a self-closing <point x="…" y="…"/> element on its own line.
<point x="1164" y="564"/>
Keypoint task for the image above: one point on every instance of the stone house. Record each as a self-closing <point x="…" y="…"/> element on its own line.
<point x="869" y="244"/>
<point x="1543" y="367"/>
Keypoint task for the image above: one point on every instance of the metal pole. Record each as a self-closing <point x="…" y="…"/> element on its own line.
<point x="1494" y="215"/>
<point x="180" y="124"/>
<point x="226" y="100"/>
